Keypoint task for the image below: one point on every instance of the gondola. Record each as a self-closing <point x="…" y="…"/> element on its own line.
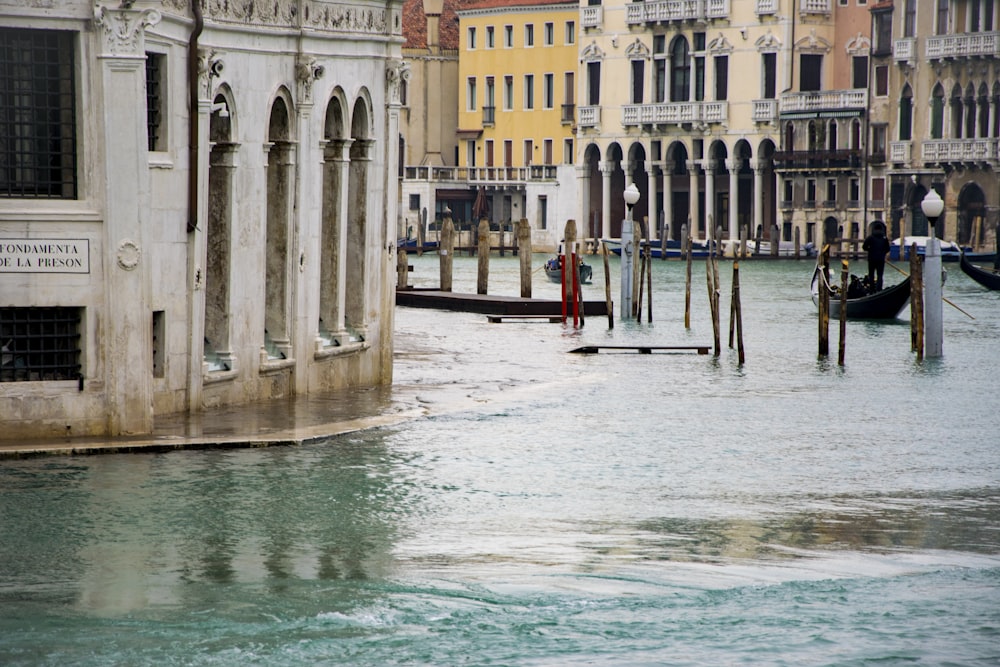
<point x="883" y="305"/>
<point x="554" y="271"/>
<point x="988" y="278"/>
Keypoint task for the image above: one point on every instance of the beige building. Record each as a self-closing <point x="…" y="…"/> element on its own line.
<point x="155" y="260"/>
<point x="942" y="61"/>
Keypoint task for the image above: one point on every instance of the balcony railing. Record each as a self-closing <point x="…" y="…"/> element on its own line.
<point x="676" y="10"/>
<point x="592" y="17"/>
<point x="675" y="113"/>
<point x="969" y="45"/>
<point x="482" y="175"/>
<point x="767" y="7"/>
<point x="489" y="115"/>
<point x="903" y="50"/>
<point x="818" y="160"/>
<point x="589" y="116"/>
<point x="960" y="150"/>
<point x="856" y="98"/>
<point x="900" y="151"/>
<point x="568" y="114"/>
<point x="765" y="111"/>
<point x="816" y="6"/>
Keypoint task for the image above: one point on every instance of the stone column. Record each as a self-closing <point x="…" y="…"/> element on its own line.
<point x="126" y="343"/>
<point x="668" y="190"/>
<point x="654" y="230"/>
<point x="397" y="72"/>
<point x="607" y="168"/>
<point x="693" y="196"/>
<point x="338" y="152"/>
<point x="758" y="197"/>
<point x="583" y="183"/>
<point x="734" y="184"/>
<point x="305" y="234"/>
<point x="710" y="221"/>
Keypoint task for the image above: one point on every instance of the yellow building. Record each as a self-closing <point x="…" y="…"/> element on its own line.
<point x="518" y="65"/>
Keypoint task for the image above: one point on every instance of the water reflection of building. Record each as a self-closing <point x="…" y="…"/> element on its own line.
<point x="154" y="261"/>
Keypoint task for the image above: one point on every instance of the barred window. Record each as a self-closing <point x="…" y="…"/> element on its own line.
<point x="154" y="102"/>
<point x="37" y="114"/>
<point x="39" y="344"/>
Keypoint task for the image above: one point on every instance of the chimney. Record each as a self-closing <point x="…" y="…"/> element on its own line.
<point x="432" y="10"/>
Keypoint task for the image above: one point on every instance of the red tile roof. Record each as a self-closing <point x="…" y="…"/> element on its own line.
<point x="415" y="25"/>
<point x="493" y="4"/>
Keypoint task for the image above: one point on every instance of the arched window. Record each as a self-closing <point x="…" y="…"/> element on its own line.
<point x="970" y="112"/>
<point x="983" y="102"/>
<point x="995" y="130"/>
<point x="817" y="136"/>
<point x="831" y="136"/>
<point x="957" y="113"/>
<point x="789" y="136"/>
<point x="856" y="134"/>
<point x="906" y="114"/>
<point x="680" y="71"/>
<point x="937" y="112"/>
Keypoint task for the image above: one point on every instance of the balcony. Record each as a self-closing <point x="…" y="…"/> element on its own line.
<point x="900" y="152"/>
<point x="767" y="7"/>
<point x="825" y="100"/>
<point x="674" y="113"/>
<point x="663" y="11"/>
<point x="592" y="17"/>
<point x="966" y="151"/>
<point x="589" y="117"/>
<point x="904" y="50"/>
<point x="969" y="45"/>
<point x="765" y="111"/>
<point x="489" y="115"/>
<point x="816" y="6"/>
<point x="839" y="160"/>
<point x="485" y="176"/>
<point x="568" y="114"/>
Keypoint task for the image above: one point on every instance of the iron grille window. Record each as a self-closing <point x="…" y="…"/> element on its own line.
<point x="154" y="101"/>
<point x="39" y="344"/>
<point x="37" y="114"/>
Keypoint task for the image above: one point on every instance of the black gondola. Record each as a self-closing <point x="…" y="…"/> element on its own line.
<point x="553" y="270"/>
<point x="882" y="305"/>
<point x="988" y="278"/>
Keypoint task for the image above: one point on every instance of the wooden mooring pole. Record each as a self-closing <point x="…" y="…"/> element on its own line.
<point x="737" y="314"/>
<point x="402" y="270"/>
<point x="844" y="277"/>
<point x="686" y="249"/>
<point x="446" y="247"/>
<point x="483" y="252"/>
<point x="607" y="287"/>
<point x="824" y="302"/>
<point x="916" y="303"/>
<point x="524" y="255"/>
<point x="569" y="256"/>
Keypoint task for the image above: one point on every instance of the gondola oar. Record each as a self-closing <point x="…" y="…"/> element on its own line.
<point x="944" y="298"/>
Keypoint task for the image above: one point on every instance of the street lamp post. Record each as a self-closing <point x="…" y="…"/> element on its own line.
<point x="932" y="206"/>
<point x="631" y="196"/>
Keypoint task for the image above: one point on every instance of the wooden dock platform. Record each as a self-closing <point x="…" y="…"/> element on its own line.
<point x="641" y="349"/>
<point x="489" y="304"/>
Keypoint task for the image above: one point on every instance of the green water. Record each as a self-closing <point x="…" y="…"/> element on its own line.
<point x="555" y="509"/>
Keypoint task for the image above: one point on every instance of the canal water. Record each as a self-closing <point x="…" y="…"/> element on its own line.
<point x="554" y="508"/>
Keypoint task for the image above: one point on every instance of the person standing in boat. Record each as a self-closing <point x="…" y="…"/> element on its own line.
<point x="877" y="247"/>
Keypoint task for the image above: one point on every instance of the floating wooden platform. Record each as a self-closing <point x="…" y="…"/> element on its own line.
<point x="641" y="349"/>
<point x="491" y="305"/>
<point x="499" y="319"/>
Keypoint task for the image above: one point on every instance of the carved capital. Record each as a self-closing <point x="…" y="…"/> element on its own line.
<point x="123" y="28"/>
<point x="307" y="71"/>
<point x="396" y="72"/>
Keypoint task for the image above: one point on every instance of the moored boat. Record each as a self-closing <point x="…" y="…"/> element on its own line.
<point x="950" y="251"/>
<point x="885" y="304"/>
<point x="988" y="278"/>
<point x="553" y="269"/>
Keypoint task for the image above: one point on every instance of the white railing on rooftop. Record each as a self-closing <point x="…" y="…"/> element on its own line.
<point x="676" y="10"/>
<point x="481" y="175"/>
<point x="855" y="98"/>
<point x="976" y="44"/>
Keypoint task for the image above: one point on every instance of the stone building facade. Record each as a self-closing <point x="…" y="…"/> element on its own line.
<point x="197" y="206"/>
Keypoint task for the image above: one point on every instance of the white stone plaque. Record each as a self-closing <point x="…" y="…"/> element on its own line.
<point x="44" y="256"/>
